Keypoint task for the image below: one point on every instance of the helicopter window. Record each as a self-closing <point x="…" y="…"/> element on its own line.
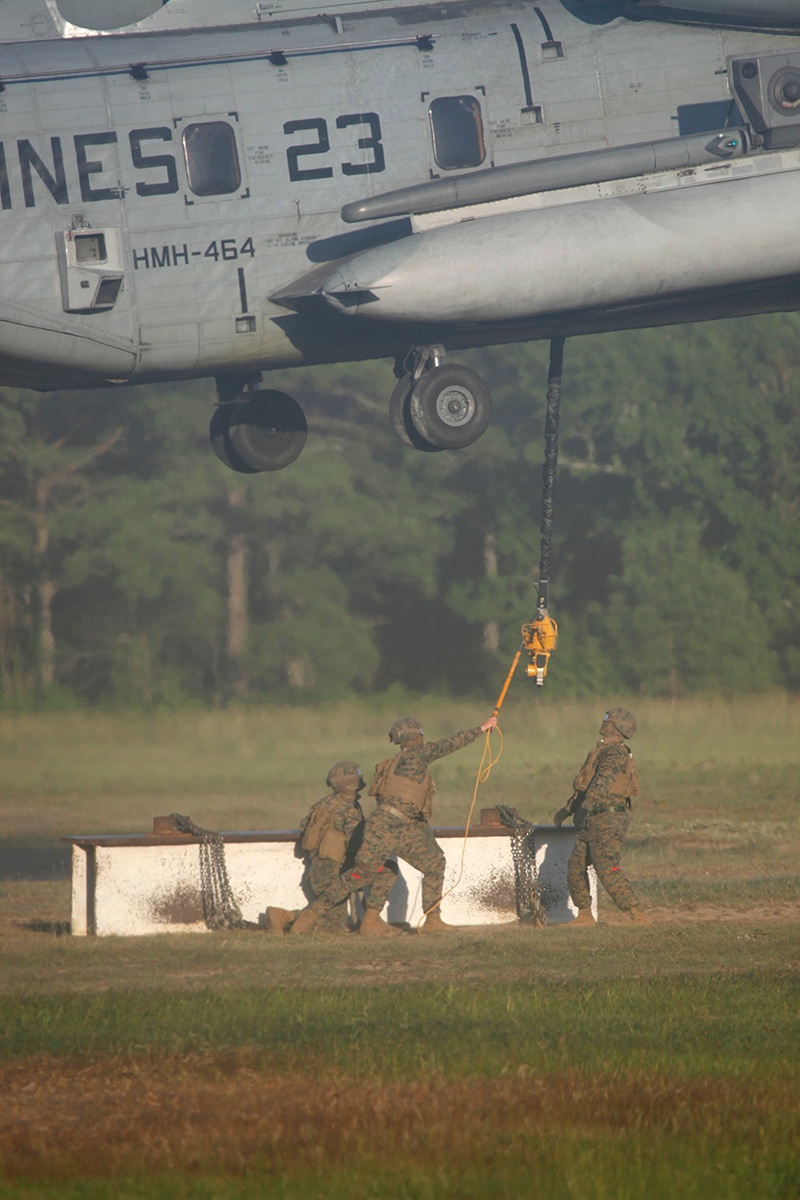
<point x="90" y="248"/>
<point x="212" y="160"/>
<point x="457" y="132"/>
<point x="94" y="14"/>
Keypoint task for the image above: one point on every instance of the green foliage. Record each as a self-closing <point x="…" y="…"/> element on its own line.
<point x="312" y="642"/>
<point x="680" y="462"/>
<point x="368" y="566"/>
<point x="692" y="625"/>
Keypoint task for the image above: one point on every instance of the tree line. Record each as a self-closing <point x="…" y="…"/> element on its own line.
<point x="136" y="569"/>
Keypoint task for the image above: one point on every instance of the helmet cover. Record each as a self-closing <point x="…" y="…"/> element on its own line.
<point x="623" y="720"/>
<point x="344" y="774"/>
<point x="406" y="727"/>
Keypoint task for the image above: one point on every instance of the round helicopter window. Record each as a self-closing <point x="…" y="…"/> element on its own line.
<point x="99" y="14"/>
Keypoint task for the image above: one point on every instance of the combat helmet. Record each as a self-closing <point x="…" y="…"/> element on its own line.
<point x="623" y="720"/>
<point x="406" y="727"/>
<point x="344" y="775"/>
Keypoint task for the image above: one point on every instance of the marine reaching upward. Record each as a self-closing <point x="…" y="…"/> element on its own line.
<point x="403" y="790"/>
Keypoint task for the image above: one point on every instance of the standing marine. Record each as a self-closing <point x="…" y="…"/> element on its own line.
<point x="330" y="837"/>
<point x="403" y="791"/>
<point x="600" y="807"/>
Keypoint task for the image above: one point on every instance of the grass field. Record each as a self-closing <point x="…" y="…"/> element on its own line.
<point x="613" y="1063"/>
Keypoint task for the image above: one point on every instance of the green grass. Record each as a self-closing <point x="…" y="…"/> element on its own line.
<point x="736" y="893"/>
<point x="262" y="768"/>
<point x="567" y="1168"/>
<point x="714" y="1026"/>
<point x="613" y="1063"/>
<point x="37" y="963"/>
<point x="627" y="1086"/>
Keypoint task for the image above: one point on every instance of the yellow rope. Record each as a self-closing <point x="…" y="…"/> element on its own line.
<point x="483" y="774"/>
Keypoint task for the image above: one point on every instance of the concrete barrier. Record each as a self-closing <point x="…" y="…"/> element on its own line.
<point x="133" y="884"/>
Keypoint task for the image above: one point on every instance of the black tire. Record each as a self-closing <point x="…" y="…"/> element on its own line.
<point x="268" y="431"/>
<point x="401" y="417"/>
<point x="220" y="442"/>
<point x="450" y="407"/>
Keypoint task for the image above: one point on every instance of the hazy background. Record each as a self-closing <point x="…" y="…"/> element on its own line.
<point x="135" y="569"/>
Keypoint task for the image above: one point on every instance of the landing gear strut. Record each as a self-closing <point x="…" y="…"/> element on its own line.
<point x="256" y="429"/>
<point x="438" y="406"/>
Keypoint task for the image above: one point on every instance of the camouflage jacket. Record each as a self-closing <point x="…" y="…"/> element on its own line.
<point x="412" y="763"/>
<point x="339" y="812"/>
<point x="607" y="779"/>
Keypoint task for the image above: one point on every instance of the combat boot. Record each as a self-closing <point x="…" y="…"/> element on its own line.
<point x="373" y="925"/>
<point x="305" y="922"/>
<point x="435" y="924"/>
<point x="637" y="916"/>
<point x="279" y="920"/>
<point x="584" y="917"/>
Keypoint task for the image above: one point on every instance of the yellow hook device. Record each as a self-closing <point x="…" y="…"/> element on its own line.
<point x="540" y="639"/>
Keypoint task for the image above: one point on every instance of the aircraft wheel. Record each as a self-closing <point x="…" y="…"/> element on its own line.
<point x="267" y="431"/>
<point x="220" y="442"/>
<point x="450" y="407"/>
<point x="401" y="417"/>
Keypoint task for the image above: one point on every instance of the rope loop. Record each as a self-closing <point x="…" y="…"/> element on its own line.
<point x="483" y="773"/>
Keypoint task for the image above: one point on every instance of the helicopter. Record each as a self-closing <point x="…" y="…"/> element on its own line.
<point x="221" y="190"/>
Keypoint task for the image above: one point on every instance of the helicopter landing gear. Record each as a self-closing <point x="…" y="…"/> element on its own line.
<point x="439" y="406"/>
<point x="400" y="416"/>
<point x="259" y="430"/>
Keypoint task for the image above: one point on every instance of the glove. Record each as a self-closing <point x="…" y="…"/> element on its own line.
<point x="560" y="817"/>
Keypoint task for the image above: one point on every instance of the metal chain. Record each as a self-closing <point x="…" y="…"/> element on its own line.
<point x="550" y="466"/>
<point x="220" y="909"/>
<point x="526" y="873"/>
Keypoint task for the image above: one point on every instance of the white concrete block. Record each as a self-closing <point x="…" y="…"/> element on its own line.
<point x="133" y="885"/>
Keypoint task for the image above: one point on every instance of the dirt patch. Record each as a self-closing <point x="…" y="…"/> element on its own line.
<point x="106" y="1116"/>
<point x="711" y="913"/>
<point x="182" y="906"/>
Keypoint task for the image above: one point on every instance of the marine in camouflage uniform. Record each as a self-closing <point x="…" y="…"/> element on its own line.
<point x="600" y="807"/>
<point x="404" y="791"/>
<point x="330" y="837"/>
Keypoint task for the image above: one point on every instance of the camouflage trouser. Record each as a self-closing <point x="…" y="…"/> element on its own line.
<point x="385" y="834"/>
<point x="322" y="873"/>
<point x="599" y="843"/>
